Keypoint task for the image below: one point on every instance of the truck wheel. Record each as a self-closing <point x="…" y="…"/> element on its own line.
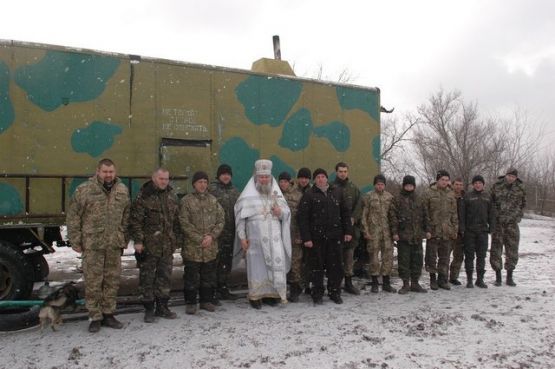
<point x="40" y="266"/>
<point x="16" y="319"/>
<point x="16" y="273"/>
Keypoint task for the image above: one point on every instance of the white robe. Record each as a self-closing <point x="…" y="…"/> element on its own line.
<point x="268" y="257"/>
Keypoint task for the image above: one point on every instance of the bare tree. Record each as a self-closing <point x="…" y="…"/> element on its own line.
<point x="395" y="139"/>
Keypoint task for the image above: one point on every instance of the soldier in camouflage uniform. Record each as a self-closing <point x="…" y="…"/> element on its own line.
<point x="408" y="227"/>
<point x="293" y="197"/>
<point x="458" y="245"/>
<point x="509" y="198"/>
<point x="202" y="220"/>
<point x="442" y="221"/>
<point x="304" y="175"/>
<point x="352" y="196"/>
<point x="97" y="222"/>
<point x="376" y="207"/>
<point x="227" y="195"/>
<point x="154" y="228"/>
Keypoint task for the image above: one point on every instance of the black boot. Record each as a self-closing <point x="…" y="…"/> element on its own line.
<point x="162" y="309"/>
<point x="406" y="287"/>
<point x="498" y="282"/>
<point x="223" y="293"/>
<point x="469" y="283"/>
<point x="256" y="304"/>
<point x="442" y="282"/>
<point x="386" y="284"/>
<point x="510" y="281"/>
<point x="349" y="288"/>
<point x="374" y="284"/>
<point x="295" y="292"/>
<point x="480" y="280"/>
<point x="94" y="326"/>
<point x="433" y="281"/>
<point x="110" y="321"/>
<point x="416" y="287"/>
<point x="149" y="311"/>
<point x="335" y="296"/>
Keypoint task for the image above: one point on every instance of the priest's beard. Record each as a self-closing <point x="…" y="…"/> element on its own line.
<point x="264" y="189"/>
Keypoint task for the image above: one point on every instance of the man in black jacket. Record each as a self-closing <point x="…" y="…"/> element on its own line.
<point x="479" y="221"/>
<point x="325" y="223"/>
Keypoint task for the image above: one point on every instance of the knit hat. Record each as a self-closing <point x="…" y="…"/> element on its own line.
<point x="379" y="179"/>
<point x="319" y="171"/>
<point x="284" y="175"/>
<point x="512" y="171"/>
<point x="409" y="180"/>
<point x="478" y="178"/>
<point x="442" y="173"/>
<point x="223" y="169"/>
<point x="304" y="173"/>
<point x="199" y="175"/>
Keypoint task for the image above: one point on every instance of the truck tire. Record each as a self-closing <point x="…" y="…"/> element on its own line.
<point x="16" y="319"/>
<point x="40" y="267"/>
<point x="16" y="273"/>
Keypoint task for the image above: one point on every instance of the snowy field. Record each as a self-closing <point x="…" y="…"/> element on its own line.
<point x="501" y="327"/>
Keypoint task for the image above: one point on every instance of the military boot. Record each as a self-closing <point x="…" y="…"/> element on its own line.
<point x="224" y="293"/>
<point x="510" y="281"/>
<point x="386" y="284"/>
<point x="208" y="306"/>
<point x="442" y="282"/>
<point x="149" y="311"/>
<point x="469" y="283"/>
<point x="374" y="284"/>
<point x="162" y="309"/>
<point x="406" y="287"/>
<point x="416" y="287"/>
<point x="455" y="282"/>
<point x="295" y="292"/>
<point x="191" y="309"/>
<point x="335" y="296"/>
<point x="349" y="288"/>
<point x="433" y="281"/>
<point x="94" y="326"/>
<point x="480" y="280"/>
<point x="110" y="321"/>
<point x="498" y="282"/>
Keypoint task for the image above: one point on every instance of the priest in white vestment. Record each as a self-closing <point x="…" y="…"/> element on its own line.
<point x="263" y="237"/>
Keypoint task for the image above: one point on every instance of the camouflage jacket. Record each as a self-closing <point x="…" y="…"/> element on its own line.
<point x="376" y="211"/>
<point x="352" y="195"/>
<point x="408" y="217"/>
<point x="441" y="213"/>
<point x="97" y="219"/>
<point x="302" y="190"/>
<point x="200" y="214"/>
<point x="154" y="219"/>
<point x="509" y="201"/>
<point x="293" y="197"/>
<point x="227" y="196"/>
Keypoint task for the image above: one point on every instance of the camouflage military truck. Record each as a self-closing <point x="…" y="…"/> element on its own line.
<point x="63" y="109"/>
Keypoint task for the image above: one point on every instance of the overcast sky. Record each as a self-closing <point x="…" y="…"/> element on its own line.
<point x="499" y="53"/>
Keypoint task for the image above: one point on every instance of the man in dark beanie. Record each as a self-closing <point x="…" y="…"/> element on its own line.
<point x="226" y="193"/>
<point x="325" y="223"/>
<point x="353" y="197"/>
<point x="376" y="207"/>
<point x="303" y="179"/>
<point x="479" y="219"/>
<point x="408" y="227"/>
<point x="202" y="220"/>
<point x="443" y="226"/>
<point x="509" y="198"/>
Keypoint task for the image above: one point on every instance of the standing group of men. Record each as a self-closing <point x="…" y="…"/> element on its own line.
<point x="287" y="233"/>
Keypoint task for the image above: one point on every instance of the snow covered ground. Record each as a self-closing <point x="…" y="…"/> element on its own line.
<point x="501" y="327"/>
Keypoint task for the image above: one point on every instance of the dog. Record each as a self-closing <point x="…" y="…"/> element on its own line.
<point x="63" y="298"/>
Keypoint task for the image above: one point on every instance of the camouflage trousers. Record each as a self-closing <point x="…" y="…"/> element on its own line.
<point x="475" y="243"/>
<point x="410" y="259"/>
<point x="381" y="257"/>
<point x="225" y="258"/>
<point x="296" y="275"/>
<point x="101" y="270"/>
<point x="155" y="276"/>
<point x="458" y="256"/>
<point x="437" y="256"/>
<point x="349" y="251"/>
<point x="199" y="279"/>
<point x="507" y="235"/>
